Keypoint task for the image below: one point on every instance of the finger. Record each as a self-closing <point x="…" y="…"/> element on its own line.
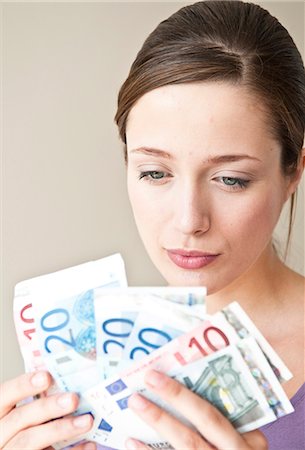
<point x="134" y="444"/>
<point x="42" y="436"/>
<point x="17" y="389"/>
<point x="256" y="439"/>
<point x="175" y="432"/>
<point x="35" y="413"/>
<point x="202" y="414"/>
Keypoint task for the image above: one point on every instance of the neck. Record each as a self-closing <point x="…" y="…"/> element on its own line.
<point x="257" y="290"/>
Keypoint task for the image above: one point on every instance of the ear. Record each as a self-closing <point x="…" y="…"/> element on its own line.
<point x="297" y="176"/>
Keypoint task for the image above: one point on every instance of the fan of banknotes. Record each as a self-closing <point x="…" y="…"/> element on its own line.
<point x="98" y="337"/>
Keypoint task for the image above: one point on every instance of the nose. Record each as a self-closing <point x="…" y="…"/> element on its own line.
<point x="192" y="211"/>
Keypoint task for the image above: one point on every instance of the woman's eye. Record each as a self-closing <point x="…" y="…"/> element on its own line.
<point x="234" y="183"/>
<point x="153" y="175"/>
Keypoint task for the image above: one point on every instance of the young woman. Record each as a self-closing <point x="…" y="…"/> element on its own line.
<point x="212" y="117"/>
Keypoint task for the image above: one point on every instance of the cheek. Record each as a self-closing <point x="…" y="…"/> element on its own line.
<point x="142" y="208"/>
<point x="148" y="202"/>
<point x="250" y="223"/>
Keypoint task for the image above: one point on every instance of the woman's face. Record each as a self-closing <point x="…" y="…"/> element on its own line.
<point x="204" y="181"/>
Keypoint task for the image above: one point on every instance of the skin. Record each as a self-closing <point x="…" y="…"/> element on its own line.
<point x="204" y="174"/>
<point x="194" y="209"/>
<point x="24" y="428"/>
<point x="212" y="429"/>
<point x="191" y="206"/>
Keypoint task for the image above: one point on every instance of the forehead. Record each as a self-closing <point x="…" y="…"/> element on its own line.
<point x="205" y="116"/>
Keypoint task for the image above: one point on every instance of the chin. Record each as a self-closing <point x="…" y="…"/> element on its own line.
<point x="193" y="278"/>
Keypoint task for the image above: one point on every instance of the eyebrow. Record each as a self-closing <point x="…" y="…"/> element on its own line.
<point x="152" y="151"/>
<point x="213" y="159"/>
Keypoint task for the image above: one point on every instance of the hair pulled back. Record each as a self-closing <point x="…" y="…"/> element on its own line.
<point x="229" y="41"/>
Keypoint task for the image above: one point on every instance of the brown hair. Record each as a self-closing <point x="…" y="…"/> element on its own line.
<point x="229" y="41"/>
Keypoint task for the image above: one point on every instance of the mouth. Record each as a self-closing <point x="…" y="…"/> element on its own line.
<point x="191" y="259"/>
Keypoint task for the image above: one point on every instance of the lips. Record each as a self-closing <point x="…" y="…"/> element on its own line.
<point x="191" y="259"/>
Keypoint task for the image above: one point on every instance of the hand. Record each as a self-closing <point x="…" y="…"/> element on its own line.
<point x="30" y="426"/>
<point x="213" y="430"/>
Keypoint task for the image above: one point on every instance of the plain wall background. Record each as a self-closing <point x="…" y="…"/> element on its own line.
<point x="63" y="195"/>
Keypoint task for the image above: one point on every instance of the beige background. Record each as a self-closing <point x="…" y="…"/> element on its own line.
<point x="63" y="197"/>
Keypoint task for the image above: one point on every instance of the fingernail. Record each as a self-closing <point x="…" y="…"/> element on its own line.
<point x="82" y="421"/>
<point x="155" y="379"/>
<point x="39" y="379"/>
<point x="90" y="446"/>
<point x="132" y="444"/>
<point x="64" y="400"/>
<point x="136" y="401"/>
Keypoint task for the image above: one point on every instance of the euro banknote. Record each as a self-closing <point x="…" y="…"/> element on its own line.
<point x="39" y="326"/>
<point x="98" y="338"/>
<point x="66" y="330"/>
<point x="213" y="336"/>
<point x="52" y="287"/>
<point x="244" y="326"/>
<point x="245" y="393"/>
<point x="115" y="325"/>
